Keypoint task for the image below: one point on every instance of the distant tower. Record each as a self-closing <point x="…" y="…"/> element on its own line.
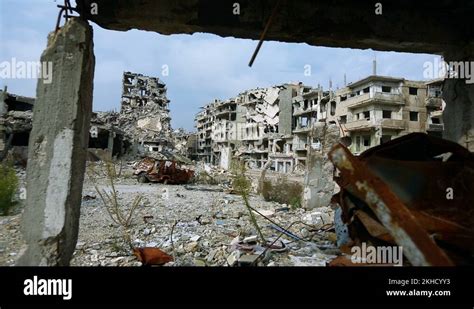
<point x="330" y="84"/>
<point x="345" y="80"/>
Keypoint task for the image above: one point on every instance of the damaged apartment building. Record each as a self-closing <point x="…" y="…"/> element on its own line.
<point x="143" y="125"/>
<point x="144" y="114"/>
<point x="249" y="126"/>
<point x="16" y="114"/>
<point x="141" y="128"/>
<point x="278" y="124"/>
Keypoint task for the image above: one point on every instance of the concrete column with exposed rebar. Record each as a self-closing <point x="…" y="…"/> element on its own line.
<point x="58" y="147"/>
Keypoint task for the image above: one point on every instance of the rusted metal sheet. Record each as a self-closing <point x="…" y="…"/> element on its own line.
<point x="420" y="189"/>
<point x="164" y="171"/>
<point x="152" y="256"/>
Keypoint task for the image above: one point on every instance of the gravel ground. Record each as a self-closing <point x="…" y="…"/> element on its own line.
<point x="209" y="227"/>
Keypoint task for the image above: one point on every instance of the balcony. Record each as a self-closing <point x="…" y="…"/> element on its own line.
<point x="379" y="97"/>
<point x="367" y="125"/>
<point x="434" y="102"/>
<point x="299" y="146"/>
<point x="224" y="111"/>
<point x="434" y="127"/>
<point x="394" y="124"/>
<point x="302" y="129"/>
<point x="300" y="111"/>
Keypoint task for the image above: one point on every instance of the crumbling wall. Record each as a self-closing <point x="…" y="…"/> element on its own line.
<point x="15" y="125"/>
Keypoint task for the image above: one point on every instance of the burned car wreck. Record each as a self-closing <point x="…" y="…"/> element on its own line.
<point x="163" y="171"/>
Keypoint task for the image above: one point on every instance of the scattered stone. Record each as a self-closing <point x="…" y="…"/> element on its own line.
<point x="248" y="259"/>
<point x="89" y="197"/>
<point x="191" y="247"/>
<point x="233" y="258"/>
<point x="211" y="255"/>
<point x="305" y="233"/>
<point x="265" y="212"/>
<point x="250" y="239"/>
<point x="199" y="263"/>
<point x="195" y="238"/>
<point x="152" y="244"/>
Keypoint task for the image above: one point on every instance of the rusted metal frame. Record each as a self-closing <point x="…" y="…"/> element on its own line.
<point x="418" y="246"/>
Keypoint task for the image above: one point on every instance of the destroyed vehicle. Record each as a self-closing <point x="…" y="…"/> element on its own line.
<point x="164" y="171"/>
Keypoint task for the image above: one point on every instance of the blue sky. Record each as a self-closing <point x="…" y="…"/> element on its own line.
<point x="202" y="67"/>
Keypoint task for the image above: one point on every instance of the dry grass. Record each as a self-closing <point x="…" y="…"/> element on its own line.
<point x="119" y="214"/>
<point x="282" y="191"/>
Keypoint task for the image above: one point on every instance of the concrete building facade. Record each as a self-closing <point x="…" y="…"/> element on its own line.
<point x="277" y="124"/>
<point x="377" y="109"/>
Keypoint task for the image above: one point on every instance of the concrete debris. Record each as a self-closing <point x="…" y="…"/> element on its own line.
<point x="265" y="212"/>
<point x="248" y="259"/>
<point x="144" y="115"/>
<point x="195" y="238"/>
<point x="16" y="114"/>
<point x="141" y="128"/>
<point x="228" y="228"/>
<point x="250" y="239"/>
<point x="323" y="216"/>
<point x="233" y="258"/>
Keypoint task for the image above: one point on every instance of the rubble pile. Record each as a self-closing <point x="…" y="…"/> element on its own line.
<point x="262" y="105"/>
<point x="216" y="231"/>
<point x="16" y="114"/>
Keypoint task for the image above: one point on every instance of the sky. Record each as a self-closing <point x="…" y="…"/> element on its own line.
<point x="202" y="67"/>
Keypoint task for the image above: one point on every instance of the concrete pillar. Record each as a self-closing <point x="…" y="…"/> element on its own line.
<point x="110" y="143"/>
<point x="3" y="104"/>
<point x="318" y="181"/>
<point x="58" y="147"/>
<point x="458" y="116"/>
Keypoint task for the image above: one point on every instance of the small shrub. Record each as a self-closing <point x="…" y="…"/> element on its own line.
<point x="242" y="185"/>
<point x="118" y="213"/>
<point x="282" y="191"/>
<point x="8" y="187"/>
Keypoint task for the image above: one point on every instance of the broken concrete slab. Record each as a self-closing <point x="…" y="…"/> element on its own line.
<point x="319" y="187"/>
<point x="58" y="144"/>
